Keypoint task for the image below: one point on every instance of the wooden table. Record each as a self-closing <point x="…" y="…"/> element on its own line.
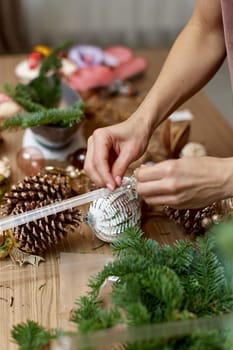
<point x="33" y="293"/>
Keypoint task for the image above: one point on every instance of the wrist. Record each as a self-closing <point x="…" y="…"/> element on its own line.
<point x="228" y="178"/>
<point x="147" y="117"/>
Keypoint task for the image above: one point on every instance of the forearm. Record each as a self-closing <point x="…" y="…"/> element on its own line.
<point x="194" y="58"/>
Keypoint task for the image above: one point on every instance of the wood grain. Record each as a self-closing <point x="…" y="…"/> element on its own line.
<point x="34" y="293"/>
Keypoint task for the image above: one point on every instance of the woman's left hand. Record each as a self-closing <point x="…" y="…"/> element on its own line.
<point x="186" y="182"/>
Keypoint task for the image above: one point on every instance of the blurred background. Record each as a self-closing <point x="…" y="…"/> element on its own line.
<point x="150" y="24"/>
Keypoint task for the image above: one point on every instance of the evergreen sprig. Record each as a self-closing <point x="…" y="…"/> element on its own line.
<point x="53" y="116"/>
<point x="156" y="284"/>
<point x="31" y="336"/>
<point x="41" y="97"/>
<point x="91" y="315"/>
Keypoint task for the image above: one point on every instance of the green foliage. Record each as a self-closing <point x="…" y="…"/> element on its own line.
<point x="158" y="284"/>
<point x="58" y="117"/>
<point x="91" y="316"/>
<point x="155" y="284"/>
<point x="30" y="336"/>
<point x="41" y="97"/>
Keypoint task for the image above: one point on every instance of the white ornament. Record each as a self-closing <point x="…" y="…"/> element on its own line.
<point x="111" y="215"/>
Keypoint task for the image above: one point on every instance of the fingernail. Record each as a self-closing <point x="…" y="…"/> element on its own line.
<point x="110" y="187"/>
<point x="118" y="180"/>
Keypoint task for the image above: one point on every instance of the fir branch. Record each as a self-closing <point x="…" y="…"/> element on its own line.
<point x="66" y="117"/>
<point x="46" y="91"/>
<point x="132" y="243"/>
<point x="208" y="272"/>
<point x="28" y="105"/>
<point x="31" y="336"/>
<point x="168" y="283"/>
<point x="91" y="316"/>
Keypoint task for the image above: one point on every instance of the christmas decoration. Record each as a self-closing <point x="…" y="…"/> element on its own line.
<point x="27" y="243"/>
<point x="29" y="68"/>
<point x="197" y="221"/>
<point x="111" y="215"/>
<point x="30" y="160"/>
<point x="77" y="158"/>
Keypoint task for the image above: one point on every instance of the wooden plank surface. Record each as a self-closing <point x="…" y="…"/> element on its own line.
<point x="33" y="293"/>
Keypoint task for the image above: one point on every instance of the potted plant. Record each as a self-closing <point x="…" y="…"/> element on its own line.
<point x="50" y="108"/>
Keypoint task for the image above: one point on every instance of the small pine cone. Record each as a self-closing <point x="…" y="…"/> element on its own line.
<point x="37" y="188"/>
<point x="34" y="192"/>
<point x="195" y="221"/>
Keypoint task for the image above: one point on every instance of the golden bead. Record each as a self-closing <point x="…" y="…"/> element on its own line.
<point x="206" y="222"/>
<point x="216" y="218"/>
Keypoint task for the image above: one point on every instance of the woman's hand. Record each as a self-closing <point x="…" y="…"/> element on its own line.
<point x="186" y="182"/>
<point x="111" y="150"/>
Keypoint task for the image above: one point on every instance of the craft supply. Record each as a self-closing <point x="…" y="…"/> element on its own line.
<point x="111" y="215"/>
<point x="28" y="242"/>
<point x="41" y="211"/>
<point x="32" y="215"/>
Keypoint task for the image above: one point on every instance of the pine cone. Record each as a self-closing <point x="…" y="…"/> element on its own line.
<point x="37" y="188"/>
<point x="34" y="192"/>
<point x="196" y="221"/>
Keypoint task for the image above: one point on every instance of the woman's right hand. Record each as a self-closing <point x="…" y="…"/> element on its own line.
<point x="110" y="150"/>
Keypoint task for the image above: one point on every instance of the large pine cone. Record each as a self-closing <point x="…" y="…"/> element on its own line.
<point x="34" y="192"/>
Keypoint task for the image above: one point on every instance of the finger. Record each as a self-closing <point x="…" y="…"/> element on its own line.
<point x="89" y="165"/>
<point x="155" y="188"/>
<point x="121" y="164"/>
<point x="156" y="171"/>
<point x="101" y="150"/>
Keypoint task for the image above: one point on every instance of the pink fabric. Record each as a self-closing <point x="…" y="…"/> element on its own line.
<point x="227" y="13"/>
